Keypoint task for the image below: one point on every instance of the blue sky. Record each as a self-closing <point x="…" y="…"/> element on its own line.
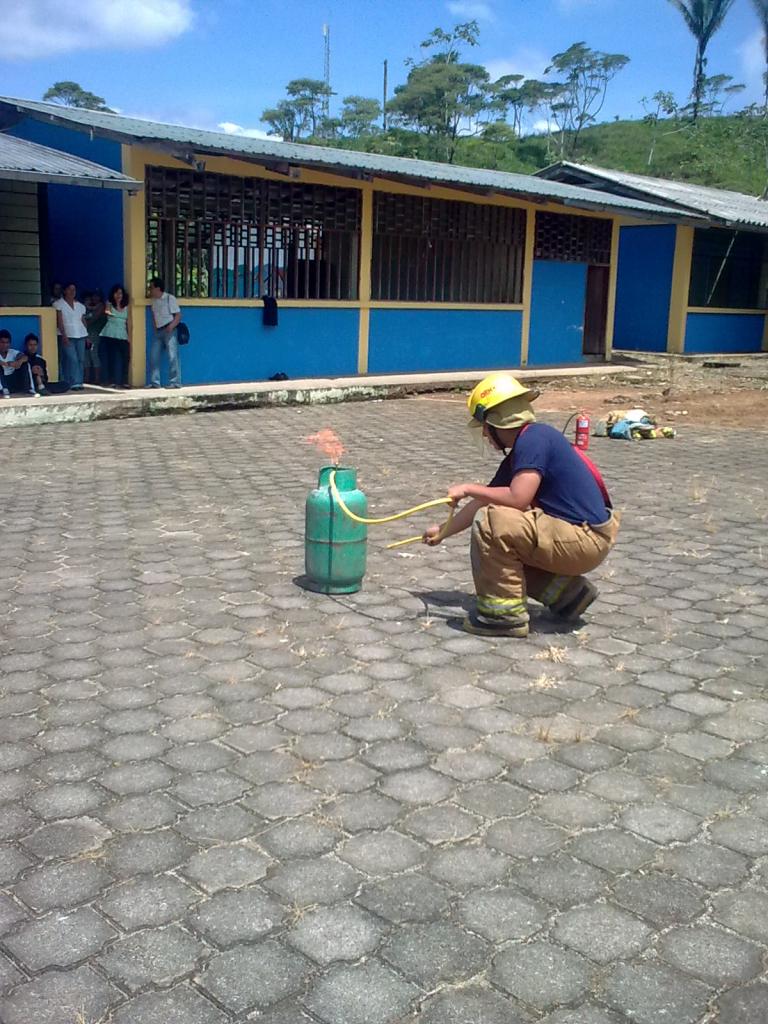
<point x="213" y="62"/>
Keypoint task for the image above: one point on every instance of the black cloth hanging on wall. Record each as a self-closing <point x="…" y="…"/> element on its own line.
<point x="269" y="316"/>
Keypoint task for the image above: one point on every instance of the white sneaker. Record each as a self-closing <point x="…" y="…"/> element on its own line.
<point x="5" y="393"/>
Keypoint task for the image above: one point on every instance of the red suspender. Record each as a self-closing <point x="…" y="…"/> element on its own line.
<point x="597" y="475"/>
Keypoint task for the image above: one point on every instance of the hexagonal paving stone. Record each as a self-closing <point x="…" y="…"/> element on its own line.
<point x="59" y="940"/>
<point x="411" y="897"/>
<point x="502" y="914"/>
<point x="231" y="917"/>
<point x="59" y="996"/>
<point x="227" y="867"/>
<point x="367" y="993"/>
<point x="458" y="1006"/>
<point x="62" y="884"/>
<point x="654" y="994"/>
<point x="434" y="954"/>
<point x="744" y="1005"/>
<point x="541" y="974"/>
<point x="156" y="957"/>
<point x="313" y="881"/>
<point x="661" y="823"/>
<point x="381" y="853"/>
<point x="338" y="932"/>
<point x="178" y="1005"/>
<point x="713" y="955"/>
<point x="253" y="977"/>
<point x="149" y="902"/>
<point x="602" y="932"/>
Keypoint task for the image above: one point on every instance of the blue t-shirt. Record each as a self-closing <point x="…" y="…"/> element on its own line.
<point x="568" y="490"/>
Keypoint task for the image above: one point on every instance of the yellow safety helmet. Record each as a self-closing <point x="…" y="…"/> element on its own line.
<point x="496" y="389"/>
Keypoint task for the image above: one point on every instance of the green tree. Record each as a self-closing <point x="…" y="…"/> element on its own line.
<point x="660" y="105"/>
<point x="359" y="116"/>
<point x="703" y="18"/>
<point x="301" y="115"/>
<point x="443" y="95"/>
<point x="578" y="95"/>
<point x="761" y="9"/>
<point x="70" y="94"/>
<point x="514" y="95"/>
<point x="283" y="120"/>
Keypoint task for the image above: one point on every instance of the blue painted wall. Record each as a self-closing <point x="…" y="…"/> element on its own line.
<point x="423" y="340"/>
<point x="19" y="326"/>
<point x="85" y="225"/>
<point x="231" y="344"/>
<point x="644" y="287"/>
<point x="723" y="332"/>
<point x="557" y="313"/>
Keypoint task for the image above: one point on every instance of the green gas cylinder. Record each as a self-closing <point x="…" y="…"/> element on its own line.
<point x="335" y="545"/>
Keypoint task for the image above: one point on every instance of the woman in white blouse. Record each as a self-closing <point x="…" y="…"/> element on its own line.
<point x="73" y="333"/>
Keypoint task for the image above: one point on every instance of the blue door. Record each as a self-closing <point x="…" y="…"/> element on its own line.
<point x="557" y="313"/>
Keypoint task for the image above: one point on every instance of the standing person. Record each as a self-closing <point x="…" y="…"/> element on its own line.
<point x="14" y="372"/>
<point x="70" y="320"/>
<point x="38" y="367"/>
<point x="166" y="316"/>
<point x="95" y="320"/>
<point x="57" y="290"/>
<point x="543" y="521"/>
<point x="115" y="339"/>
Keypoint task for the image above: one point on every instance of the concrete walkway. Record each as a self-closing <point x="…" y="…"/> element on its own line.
<point x="101" y="403"/>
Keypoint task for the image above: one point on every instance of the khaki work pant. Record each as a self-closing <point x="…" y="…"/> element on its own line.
<point x="519" y="554"/>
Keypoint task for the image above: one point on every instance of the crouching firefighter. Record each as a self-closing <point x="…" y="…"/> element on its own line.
<point x="543" y="521"/>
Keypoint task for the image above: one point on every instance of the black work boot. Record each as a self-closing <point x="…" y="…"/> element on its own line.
<point x="480" y="625"/>
<point x="575" y="599"/>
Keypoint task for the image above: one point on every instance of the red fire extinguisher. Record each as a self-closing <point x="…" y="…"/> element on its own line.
<point x="583" y="428"/>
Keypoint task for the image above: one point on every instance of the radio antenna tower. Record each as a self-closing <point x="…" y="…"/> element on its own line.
<point x="327" y="70"/>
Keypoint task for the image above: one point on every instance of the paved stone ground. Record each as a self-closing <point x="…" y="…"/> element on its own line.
<point x="225" y="799"/>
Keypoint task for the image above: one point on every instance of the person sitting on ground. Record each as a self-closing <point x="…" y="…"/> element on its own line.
<point x="543" y="521"/>
<point x="38" y="367"/>
<point x="95" y="319"/>
<point x="14" y="372"/>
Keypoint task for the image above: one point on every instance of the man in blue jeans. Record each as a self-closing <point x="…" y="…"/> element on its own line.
<point x="165" y="317"/>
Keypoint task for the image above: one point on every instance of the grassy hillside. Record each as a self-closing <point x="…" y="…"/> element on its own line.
<point x="726" y="152"/>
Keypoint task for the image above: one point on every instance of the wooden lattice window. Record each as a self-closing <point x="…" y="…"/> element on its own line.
<point x="437" y="250"/>
<point x="573" y="239"/>
<point x="219" y="236"/>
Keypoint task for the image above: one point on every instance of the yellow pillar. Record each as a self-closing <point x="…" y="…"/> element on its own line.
<point x="364" y="283"/>
<point x="681" y="282"/>
<point x="613" y="276"/>
<point x="530" y="242"/>
<point x="134" y="258"/>
<point x="49" y="342"/>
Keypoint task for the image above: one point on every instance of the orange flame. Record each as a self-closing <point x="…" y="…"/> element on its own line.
<point x="329" y="443"/>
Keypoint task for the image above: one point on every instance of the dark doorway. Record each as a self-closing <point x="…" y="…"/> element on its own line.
<point x="596" y="310"/>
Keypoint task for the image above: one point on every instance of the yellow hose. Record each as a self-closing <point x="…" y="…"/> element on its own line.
<point x="390" y="519"/>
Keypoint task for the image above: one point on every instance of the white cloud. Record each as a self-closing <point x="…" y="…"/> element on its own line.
<point x="230" y="128"/>
<point x="45" y="28"/>
<point x="752" y="55"/>
<point x="543" y="127"/>
<point x="525" y="61"/>
<point x="472" y="10"/>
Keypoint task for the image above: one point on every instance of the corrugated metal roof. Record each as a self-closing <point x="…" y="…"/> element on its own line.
<point x="195" y="140"/>
<point x="722" y="205"/>
<point x="27" y="161"/>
